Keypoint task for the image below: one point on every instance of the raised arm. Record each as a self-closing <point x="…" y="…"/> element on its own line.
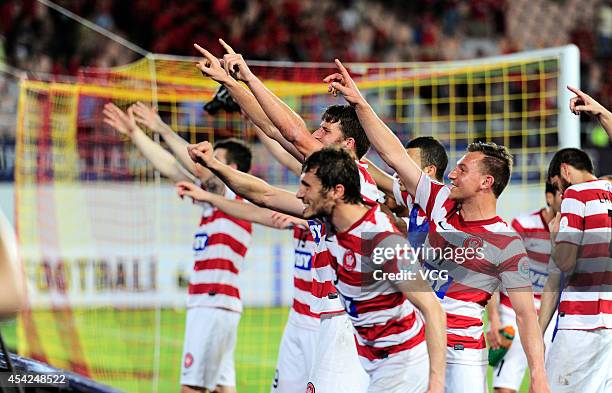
<point x="384" y="181"/>
<point x="150" y="118"/>
<point x="382" y="138"/>
<point x="291" y="126"/>
<point x="247" y="186"/>
<point x="279" y="153"/>
<point x="163" y="161"/>
<point x="585" y="103"/>
<point x="211" y="67"/>
<point x="236" y="208"/>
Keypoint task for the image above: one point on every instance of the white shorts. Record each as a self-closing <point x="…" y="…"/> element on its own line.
<point x="336" y="368"/>
<point x="208" y="351"/>
<point x="404" y="372"/>
<point x="295" y="359"/>
<point x="466" y="378"/>
<point x="510" y="371"/>
<point x="580" y="361"/>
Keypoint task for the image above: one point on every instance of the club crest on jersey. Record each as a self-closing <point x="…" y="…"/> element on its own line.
<point x="188" y="360"/>
<point x="473" y="243"/>
<point x="523" y="267"/>
<point x="310" y="388"/>
<point x="349" y="261"/>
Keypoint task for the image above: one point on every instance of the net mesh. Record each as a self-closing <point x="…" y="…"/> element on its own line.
<point x="106" y="243"/>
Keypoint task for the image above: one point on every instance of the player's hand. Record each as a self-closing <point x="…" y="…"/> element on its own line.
<point x="201" y="153"/>
<point x="284" y="221"/>
<point x="123" y="122"/>
<point x="210" y="66"/>
<point x="435" y="387"/>
<point x="341" y="82"/>
<point x="234" y="64"/>
<point x="185" y="188"/>
<point x="553" y="227"/>
<point x="493" y="337"/>
<point x="147" y="116"/>
<point x="584" y="103"/>
<point x="539" y="384"/>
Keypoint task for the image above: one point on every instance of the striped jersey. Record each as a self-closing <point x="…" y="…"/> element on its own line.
<point x="301" y="314"/>
<point x="385" y="321"/>
<point x="478" y="256"/>
<point x="533" y="229"/>
<point x="586" y="221"/>
<point x="219" y="247"/>
<point x="325" y="297"/>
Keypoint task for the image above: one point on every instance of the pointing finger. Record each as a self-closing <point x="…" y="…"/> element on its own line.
<point x="225" y="46"/>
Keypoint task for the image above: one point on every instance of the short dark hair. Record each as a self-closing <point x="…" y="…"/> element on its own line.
<point x="571" y="156"/>
<point x="497" y="163"/>
<point x="237" y="153"/>
<point x="334" y="165"/>
<point x="432" y="153"/>
<point x="349" y="125"/>
<point x="550" y="188"/>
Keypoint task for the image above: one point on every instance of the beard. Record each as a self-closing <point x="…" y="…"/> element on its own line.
<point x="564" y="184"/>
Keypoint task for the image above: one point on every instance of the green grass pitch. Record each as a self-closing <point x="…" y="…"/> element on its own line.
<point x="121" y="346"/>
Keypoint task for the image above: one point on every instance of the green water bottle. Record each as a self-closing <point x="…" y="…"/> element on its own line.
<point x="496" y="355"/>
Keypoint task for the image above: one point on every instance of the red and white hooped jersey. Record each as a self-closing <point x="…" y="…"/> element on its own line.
<point x="385" y="321"/>
<point x="586" y="221"/>
<point x="325" y="297"/>
<point x="403" y="198"/>
<point x="219" y="246"/>
<point x="498" y="256"/>
<point x="301" y="313"/>
<point x="533" y="229"/>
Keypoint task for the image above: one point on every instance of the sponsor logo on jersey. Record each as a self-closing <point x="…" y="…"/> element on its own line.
<point x="200" y="241"/>
<point x="303" y="260"/>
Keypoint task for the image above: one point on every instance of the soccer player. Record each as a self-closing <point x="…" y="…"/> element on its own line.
<point x="463" y="217"/>
<point x="585" y="103"/>
<point x="534" y="230"/>
<point x="580" y="357"/>
<point x="327" y="175"/>
<point x="220" y="244"/>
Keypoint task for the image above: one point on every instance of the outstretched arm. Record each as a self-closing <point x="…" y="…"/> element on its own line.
<point x="291" y="126"/>
<point x="585" y="103"/>
<point x="236" y="208"/>
<point x="247" y="186"/>
<point x="280" y="154"/>
<point x="211" y="67"/>
<point x="384" y="181"/>
<point x="382" y="138"/>
<point x="150" y="118"/>
<point x="163" y="161"/>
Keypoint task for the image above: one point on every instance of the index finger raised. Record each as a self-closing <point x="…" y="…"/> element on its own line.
<point x="342" y="69"/>
<point x="577" y="91"/>
<point x="205" y="53"/>
<point x="225" y="46"/>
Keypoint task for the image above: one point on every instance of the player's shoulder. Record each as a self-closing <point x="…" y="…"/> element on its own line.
<point x="588" y="190"/>
<point x="528" y="220"/>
